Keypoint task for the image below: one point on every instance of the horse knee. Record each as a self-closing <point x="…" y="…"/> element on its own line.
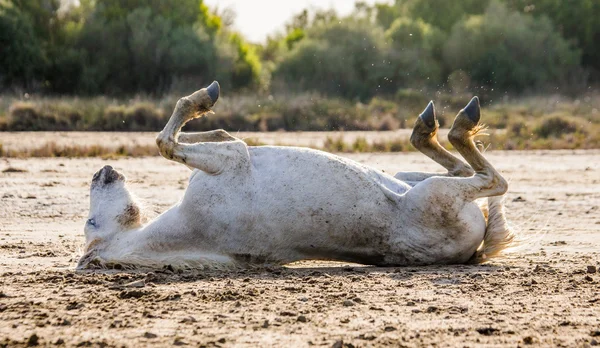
<point x="165" y="145"/>
<point x="501" y="185"/>
<point x="493" y="182"/>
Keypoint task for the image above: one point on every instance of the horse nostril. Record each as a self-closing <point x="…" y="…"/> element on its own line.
<point x="107" y="175"/>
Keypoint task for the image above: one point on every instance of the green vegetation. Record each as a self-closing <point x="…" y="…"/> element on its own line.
<point x="156" y="47"/>
<point x="78" y="151"/>
<point x="510" y="51"/>
<point x="524" y="123"/>
<point x="120" y="47"/>
<point x="119" y="65"/>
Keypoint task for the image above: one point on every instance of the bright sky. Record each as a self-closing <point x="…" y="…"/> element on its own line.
<point x="256" y="19"/>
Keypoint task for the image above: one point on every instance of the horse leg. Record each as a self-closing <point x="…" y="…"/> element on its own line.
<point x="214" y="136"/>
<point x="443" y="205"/>
<point x="210" y="157"/>
<point x="424" y="139"/>
<point x="487" y="181"/>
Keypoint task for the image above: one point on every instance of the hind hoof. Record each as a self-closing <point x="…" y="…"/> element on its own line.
<point x="473" y="110"/>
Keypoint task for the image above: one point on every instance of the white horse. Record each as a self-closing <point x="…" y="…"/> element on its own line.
<point x="256" y="205"/>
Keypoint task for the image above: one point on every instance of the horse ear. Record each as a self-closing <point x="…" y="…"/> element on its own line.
<point x="473" y="110"/>
<point x="130" y="217"/>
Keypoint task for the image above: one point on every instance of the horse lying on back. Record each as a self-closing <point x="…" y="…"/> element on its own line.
<point x="252" y="205"/>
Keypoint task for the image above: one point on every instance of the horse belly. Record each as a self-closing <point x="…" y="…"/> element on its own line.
<point x="294" y="205"/>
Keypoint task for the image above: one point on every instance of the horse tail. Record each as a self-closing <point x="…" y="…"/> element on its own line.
<point x="498" y="235"/>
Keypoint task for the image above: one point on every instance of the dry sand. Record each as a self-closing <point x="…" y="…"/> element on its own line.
<point x="546" y="294"/>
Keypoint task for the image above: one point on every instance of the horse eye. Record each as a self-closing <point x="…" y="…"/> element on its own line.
<point x="91" y="222"/>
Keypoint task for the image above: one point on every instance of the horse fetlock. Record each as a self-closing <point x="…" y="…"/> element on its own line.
<point x="188" y="109"/>
<point x="420" y="140"/>
<point x="462" y="170"/>
<point x="204" y="99"/>
<point x="457" y="135"/>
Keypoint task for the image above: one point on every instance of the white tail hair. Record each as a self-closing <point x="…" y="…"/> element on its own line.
<point x="498" y="235"/>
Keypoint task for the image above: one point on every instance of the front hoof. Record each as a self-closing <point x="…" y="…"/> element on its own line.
<point x="213" y="91"/>
<point x="428" y="116"/>
<point x="203" y="100"/>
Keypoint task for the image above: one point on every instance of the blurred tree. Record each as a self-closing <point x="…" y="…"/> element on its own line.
<point x="246" y="69"/>
<point x="211" y="22"/>
<point x="386" y="14"/>
<point x="163" y="45"/>
<point x="576" y="20"/>
<point x="159" y="46"/>
<point x="293" y="37"/>
<point x="299" y="21"/>
<point x="415" y="52"/>
<point x="21" y="53"/>
<point x="120" y="46"/>
<point x="509" y="50"/>
<point x="344" y="58"/>
<point x="362" y="10"/>
<point x="180" y="13"/>
<point x="53" y="30"/>
<point x="43" y="14"/>
<point x="442" y="14"/>
<point x="273" y="49"/>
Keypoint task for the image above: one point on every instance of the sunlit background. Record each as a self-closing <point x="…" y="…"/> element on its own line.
<point x="305" y="65"/>
<point x="257" y="19"/>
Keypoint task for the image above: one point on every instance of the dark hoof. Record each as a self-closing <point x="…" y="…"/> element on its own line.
<point x="472" y="110"/>
<point x="213" y="91"/>
<point x="428" y="115"/>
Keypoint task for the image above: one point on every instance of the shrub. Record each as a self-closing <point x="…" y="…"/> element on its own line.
<point x="509" y="50"/>
<point x="340" y="58"/>
<point x="360" y="145"/>
<point x="443" y="14"/>
<point x="411" y="98"/>
<point x="414" y="49"/>
<point x="51" y="149"/>
<point x="22" y="52"/>
<point x="139" y="117"/>
<point x="27" y="117"/>
<point x="335" y="144"/>
<point x="557" y="126"/>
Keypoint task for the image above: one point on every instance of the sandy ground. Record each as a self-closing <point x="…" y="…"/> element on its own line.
<point x="546" y="293"/>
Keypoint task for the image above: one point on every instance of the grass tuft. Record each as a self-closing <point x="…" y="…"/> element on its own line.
<point x="51" y="149"/>
<point x="539" y="122"/>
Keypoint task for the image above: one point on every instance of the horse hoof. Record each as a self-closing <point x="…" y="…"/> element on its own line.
<point x="472" y="110"/>
<point x="428" y="115"/>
